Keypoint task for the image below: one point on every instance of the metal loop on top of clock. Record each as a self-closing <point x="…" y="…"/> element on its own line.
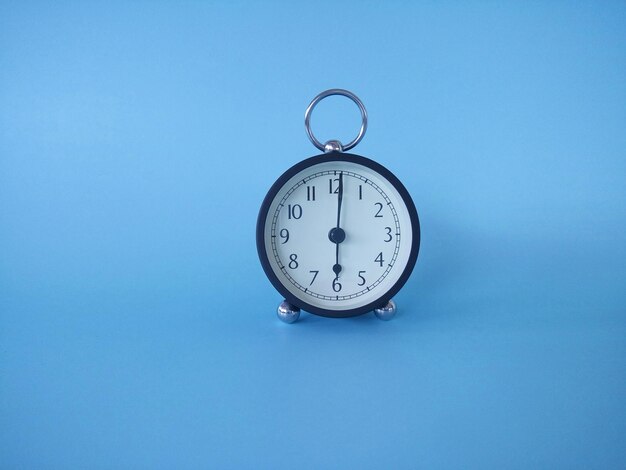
<point x="333" y="143"/>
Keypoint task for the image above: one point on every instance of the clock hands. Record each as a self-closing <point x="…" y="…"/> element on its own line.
<point x="336" y="234"/>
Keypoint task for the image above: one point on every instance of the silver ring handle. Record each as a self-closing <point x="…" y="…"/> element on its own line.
<point x="320" y="97"/>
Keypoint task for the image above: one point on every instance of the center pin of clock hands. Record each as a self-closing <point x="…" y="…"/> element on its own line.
<point x="337" y="234"/>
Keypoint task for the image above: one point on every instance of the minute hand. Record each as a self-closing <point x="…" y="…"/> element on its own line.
<point x="339" y="198"/>
<point x="337" y="238"/>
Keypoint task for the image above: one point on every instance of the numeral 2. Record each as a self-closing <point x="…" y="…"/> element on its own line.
<point x="380" y="208"/>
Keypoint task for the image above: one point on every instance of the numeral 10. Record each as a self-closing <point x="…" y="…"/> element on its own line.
<point x="295" y="211"/>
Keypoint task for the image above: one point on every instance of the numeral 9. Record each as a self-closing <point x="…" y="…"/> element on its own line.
<point x="284" y="234"/>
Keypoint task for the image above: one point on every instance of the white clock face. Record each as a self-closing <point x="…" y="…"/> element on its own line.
<point x="338" y="235"/>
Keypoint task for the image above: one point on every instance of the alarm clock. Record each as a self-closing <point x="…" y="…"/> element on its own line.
<point x="337" y="234"/>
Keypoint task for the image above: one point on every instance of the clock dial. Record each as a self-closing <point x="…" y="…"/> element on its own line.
<point x="339" y="236"/>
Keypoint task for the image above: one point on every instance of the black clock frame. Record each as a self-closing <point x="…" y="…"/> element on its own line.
<point x="338" y="157"/>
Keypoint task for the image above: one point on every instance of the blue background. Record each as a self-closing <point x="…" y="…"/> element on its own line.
<point x="137" y="329"/>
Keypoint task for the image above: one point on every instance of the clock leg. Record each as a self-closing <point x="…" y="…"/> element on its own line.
<point x="287" y="312"/>
<point x="387" y="312"/>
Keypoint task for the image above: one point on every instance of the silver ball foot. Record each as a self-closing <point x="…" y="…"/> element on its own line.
<point x="387" y="312"/>
<point x="287" y="312"/>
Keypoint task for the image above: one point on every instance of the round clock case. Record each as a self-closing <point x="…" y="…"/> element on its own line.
<point x="374" y="294"/>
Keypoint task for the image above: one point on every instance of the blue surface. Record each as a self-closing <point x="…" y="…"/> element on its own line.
<point x="137" y="328"/>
